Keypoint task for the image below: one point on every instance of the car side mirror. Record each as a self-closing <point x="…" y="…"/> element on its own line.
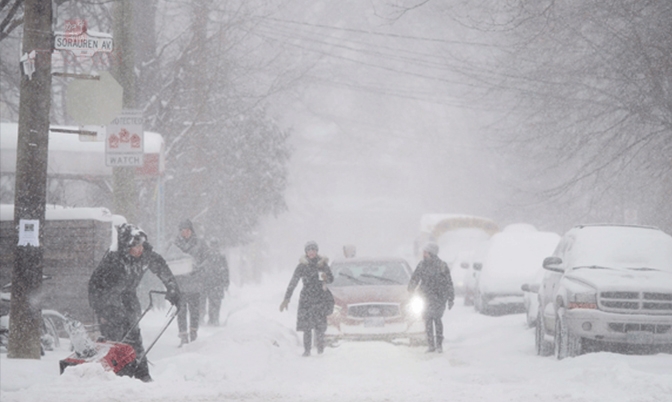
<point x="478" y="266"/>
<point x="553" y="264"/>
<point x="533" y="288"/>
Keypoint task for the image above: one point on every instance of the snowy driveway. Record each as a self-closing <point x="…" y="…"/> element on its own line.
<point x="256" y="356"/>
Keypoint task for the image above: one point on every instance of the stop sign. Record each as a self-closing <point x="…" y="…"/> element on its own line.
<point x="94" y="102"/>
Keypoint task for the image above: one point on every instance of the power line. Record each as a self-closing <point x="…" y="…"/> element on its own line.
<point x="391" y="35"/>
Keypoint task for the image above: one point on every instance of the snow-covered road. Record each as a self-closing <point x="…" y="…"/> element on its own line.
<point x="256" y="356"/>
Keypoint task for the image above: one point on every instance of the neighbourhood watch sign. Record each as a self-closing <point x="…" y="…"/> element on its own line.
<point x="124" y="145"/>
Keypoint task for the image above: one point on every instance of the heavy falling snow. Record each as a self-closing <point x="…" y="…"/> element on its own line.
<point x="270" y="123"/>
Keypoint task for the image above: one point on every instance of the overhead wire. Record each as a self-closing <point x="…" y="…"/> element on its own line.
<point x="373" y="33"/>
<point x="466" y="69"/>
<point x="442" y="62"/>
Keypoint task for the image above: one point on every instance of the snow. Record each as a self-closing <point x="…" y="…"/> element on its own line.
<point x="513" y="257"/>
<point x="57" y="213"/>
<point x="256" y="356"/>
<point x="68" y="155"/>
<point x="429" y="221"/>
<point x="622" y="247"/>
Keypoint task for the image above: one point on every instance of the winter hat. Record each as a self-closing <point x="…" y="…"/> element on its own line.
<point x="311" y="245"/>
<point x="186" y="224"/>
<point x="431" y="248"/>
<point x="129" y="235"/>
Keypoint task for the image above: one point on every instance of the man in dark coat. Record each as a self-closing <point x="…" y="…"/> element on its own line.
<point x="215" y="270"/>
<point x="433" y="281"/>
<point x="315" y="299"/>
<point x="113" y="285"/>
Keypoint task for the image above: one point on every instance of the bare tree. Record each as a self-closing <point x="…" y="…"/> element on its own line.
<point x="589" y="88"/>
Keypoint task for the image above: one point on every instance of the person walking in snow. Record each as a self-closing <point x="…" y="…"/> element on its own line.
<point x="191" y="283"/>
<point x="113" y="289"/>
<point x="213" y="268"/>
<point x="216" y="283"/>
<point x="315" y="300"/>
<point x="432" y="280"/>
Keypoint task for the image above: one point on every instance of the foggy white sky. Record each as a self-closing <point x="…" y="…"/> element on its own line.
<point x="379" y="134"/>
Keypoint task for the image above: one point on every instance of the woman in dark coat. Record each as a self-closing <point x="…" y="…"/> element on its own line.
<point x="433" y="281"/>
<point x="315" y="300"/>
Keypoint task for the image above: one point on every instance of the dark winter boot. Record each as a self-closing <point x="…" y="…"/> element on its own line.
<point x="307" y="342"/>
<point x="142" y="371"/>
<point x="193" y="334"/>
<point x="319" y="342"/>
<point x="429" y="329"/>
<point x="184" y="339"/>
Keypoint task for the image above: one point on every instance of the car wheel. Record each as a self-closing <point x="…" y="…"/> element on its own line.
<point x="543" y="347"/>
<point x="566" y="343"/>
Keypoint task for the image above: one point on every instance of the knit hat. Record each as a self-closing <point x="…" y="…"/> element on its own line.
<point x="129" y="235"/>
<point x="431" y="248"/>
<point x="311" y="245"/>
<point x="186" y="224"/>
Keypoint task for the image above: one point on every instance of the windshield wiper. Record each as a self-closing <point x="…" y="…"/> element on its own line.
<point x="643" y="269"/>
<point x="352" y="278"/>
<point x="381" y="278"/>
<point x="592" y="267"/>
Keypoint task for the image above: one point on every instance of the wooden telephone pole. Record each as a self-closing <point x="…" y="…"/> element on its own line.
<point x="123" y="178"/>
<point x="31" y="179"/>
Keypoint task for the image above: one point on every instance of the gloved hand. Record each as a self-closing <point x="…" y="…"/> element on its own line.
<point x="284" y="304"/>
<point x="450" y="304"/>
<point x="173" y="296"/>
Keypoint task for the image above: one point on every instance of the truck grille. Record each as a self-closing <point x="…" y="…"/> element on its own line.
<point x="374" y="310"/>
<point x="630" y="327"/>
<point x="633" y="302"/>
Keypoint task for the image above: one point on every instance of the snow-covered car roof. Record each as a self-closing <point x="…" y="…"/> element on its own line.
<point x="620" y="246"/>
<point x="512" y="258"/>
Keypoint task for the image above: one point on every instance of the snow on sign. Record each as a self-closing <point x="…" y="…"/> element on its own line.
<point x="84" y="43"/>
<point x="124" y="143"/>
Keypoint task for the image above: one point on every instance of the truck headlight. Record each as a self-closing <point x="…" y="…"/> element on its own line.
<point x="582" y="300"/>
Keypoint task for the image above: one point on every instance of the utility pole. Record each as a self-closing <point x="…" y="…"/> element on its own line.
<point x="123" y="178"/>
<point x="31" y="179"/>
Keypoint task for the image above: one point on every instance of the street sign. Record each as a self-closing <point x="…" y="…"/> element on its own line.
<point x="84" y="43"/>
<point x="124" y="145"/>
<point x="94" y="102"/>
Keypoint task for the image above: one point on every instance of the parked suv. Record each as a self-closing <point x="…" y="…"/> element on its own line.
<point x="605" y="285"/>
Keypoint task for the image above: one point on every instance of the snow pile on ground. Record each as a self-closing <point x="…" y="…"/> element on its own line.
<point x="256" y="356"/>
